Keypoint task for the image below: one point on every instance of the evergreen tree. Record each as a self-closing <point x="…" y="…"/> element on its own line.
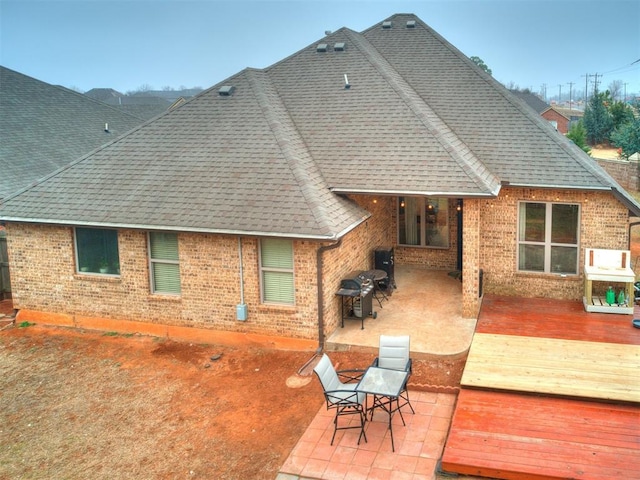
<point x="621" y="113"/>
<point x="597" y="119"/>
<point x="578" y="135"/>
<point x="627" y="137"/>
<point x="480" y="63"/>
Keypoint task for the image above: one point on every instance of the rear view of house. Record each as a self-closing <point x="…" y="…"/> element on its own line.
<point x="242" y="209"/>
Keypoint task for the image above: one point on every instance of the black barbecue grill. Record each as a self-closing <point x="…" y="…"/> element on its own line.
<point x="356" y="292"/>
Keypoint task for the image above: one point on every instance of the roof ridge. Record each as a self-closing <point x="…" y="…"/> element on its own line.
<point x="302" y="165"/>
<point x="457" y="149"/>
<point x="69" y="91"/>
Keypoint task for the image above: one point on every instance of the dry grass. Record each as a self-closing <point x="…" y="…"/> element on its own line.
<point x="86" y="406"/>
<point x="53" y="390"/>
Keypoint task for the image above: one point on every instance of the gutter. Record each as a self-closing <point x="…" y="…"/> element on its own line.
<point x="413" y="193"/>
<point x="177" y="228"/>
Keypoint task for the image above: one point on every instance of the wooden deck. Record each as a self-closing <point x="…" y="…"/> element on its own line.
<point x="575" y="368"/>
<point x="549" y="391"/>
<point x="515" y="436"/>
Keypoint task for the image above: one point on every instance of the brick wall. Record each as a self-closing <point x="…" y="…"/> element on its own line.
<point x="471" y="257"/>
<point x="356" y="253"/>
<point x="625" y="172"/>
<point x="42" y="263"/>
<point x="45" y="279"/>
<point x="561" y="121"/>
<point x="604" y="225"/>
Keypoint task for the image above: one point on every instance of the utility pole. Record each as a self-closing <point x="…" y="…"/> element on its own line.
<point x="543" y="91"/>
<point x="586" y="85"/>
<point x="570" y="92"/>
<point x="560" y="95"/>
<point x="625" y="92"/>
<point x="595" y="83"/>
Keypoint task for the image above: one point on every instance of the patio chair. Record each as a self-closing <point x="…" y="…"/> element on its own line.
<point x="342" y="396"/>
<point x="394" y="354"/>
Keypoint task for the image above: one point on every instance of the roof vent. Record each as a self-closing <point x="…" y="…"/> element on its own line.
<point x="386" y="24"/>
<point x="322" y="47"/>
<point x="339" y="47"/>
<point x="411" y="24"/>
<point x="226" y="90"/>
<point x="347" y="85"/>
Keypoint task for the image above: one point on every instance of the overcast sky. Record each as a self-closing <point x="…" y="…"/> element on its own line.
<point x="124" y="44"/>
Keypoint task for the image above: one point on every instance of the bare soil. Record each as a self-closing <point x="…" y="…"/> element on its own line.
<point x="80" y="404"/>
<point x="605" y="152"/>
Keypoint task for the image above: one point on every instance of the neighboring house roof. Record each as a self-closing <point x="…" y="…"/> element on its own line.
<point x="140" y="105"/>
<point x="272" y="158"/>
<point x="569" y="114"/>
<point x="43" y="127"/>
<point x="532" y="100"/>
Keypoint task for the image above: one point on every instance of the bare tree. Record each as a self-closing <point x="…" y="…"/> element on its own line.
<point x="615" y="89"/>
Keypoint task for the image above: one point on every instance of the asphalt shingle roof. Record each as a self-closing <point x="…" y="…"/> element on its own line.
<point x="43" y="127"/>
<point x="273" y="157"/>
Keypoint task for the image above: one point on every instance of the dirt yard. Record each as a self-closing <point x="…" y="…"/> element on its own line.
<point x="79" y="404"/>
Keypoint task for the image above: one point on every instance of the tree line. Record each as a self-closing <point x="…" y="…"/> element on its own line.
<point x="608" y="121"/>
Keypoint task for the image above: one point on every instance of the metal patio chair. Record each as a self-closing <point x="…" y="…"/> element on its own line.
<point x="342" y="396"/>
<point x="394" y="354"/>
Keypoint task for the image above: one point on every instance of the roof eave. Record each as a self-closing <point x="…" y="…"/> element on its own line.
<point x="177" y="228"/>
<point x="413" y="193"/>
<point x="627" y="201"/>
<point x="623" y="197"/>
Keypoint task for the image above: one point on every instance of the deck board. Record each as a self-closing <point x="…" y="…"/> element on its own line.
<point x="542" y="317"/>
<point x="549" y="391"/>
<point x="510" y="435"/>
<point x="553" y="366"/>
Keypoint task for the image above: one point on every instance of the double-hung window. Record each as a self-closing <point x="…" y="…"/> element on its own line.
<point x="548" y="237"/>
<point x="164" y="263"/>
<point x="423" y="221"/>
<point x="276" y="271"/>
<point x="97" y="251"/>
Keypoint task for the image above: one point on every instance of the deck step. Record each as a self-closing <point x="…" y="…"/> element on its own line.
<point x="516" y="436"/>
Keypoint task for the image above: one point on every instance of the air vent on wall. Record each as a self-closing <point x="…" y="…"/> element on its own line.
<point x="411" y="24"/>
<point x="339" y="47"/>
<point x="322" y="47"/>
<point x="226" y="90"/>
<point x="386" y="24"/>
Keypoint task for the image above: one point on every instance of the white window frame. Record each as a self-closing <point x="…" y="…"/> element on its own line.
<point x="265" y="270"/>
<point x="421" y="209"/>
<point x="162" y="261"/>
<point x="547" y="243"/>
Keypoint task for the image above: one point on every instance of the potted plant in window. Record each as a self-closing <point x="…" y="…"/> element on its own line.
<point x="104" y="266"/>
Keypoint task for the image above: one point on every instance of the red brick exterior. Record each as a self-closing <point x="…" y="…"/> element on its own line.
<point x="562" y="122"/>
<point x="45" y="280"/>
<point x="625" y="172"/>
<point x="604" y="224"/>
